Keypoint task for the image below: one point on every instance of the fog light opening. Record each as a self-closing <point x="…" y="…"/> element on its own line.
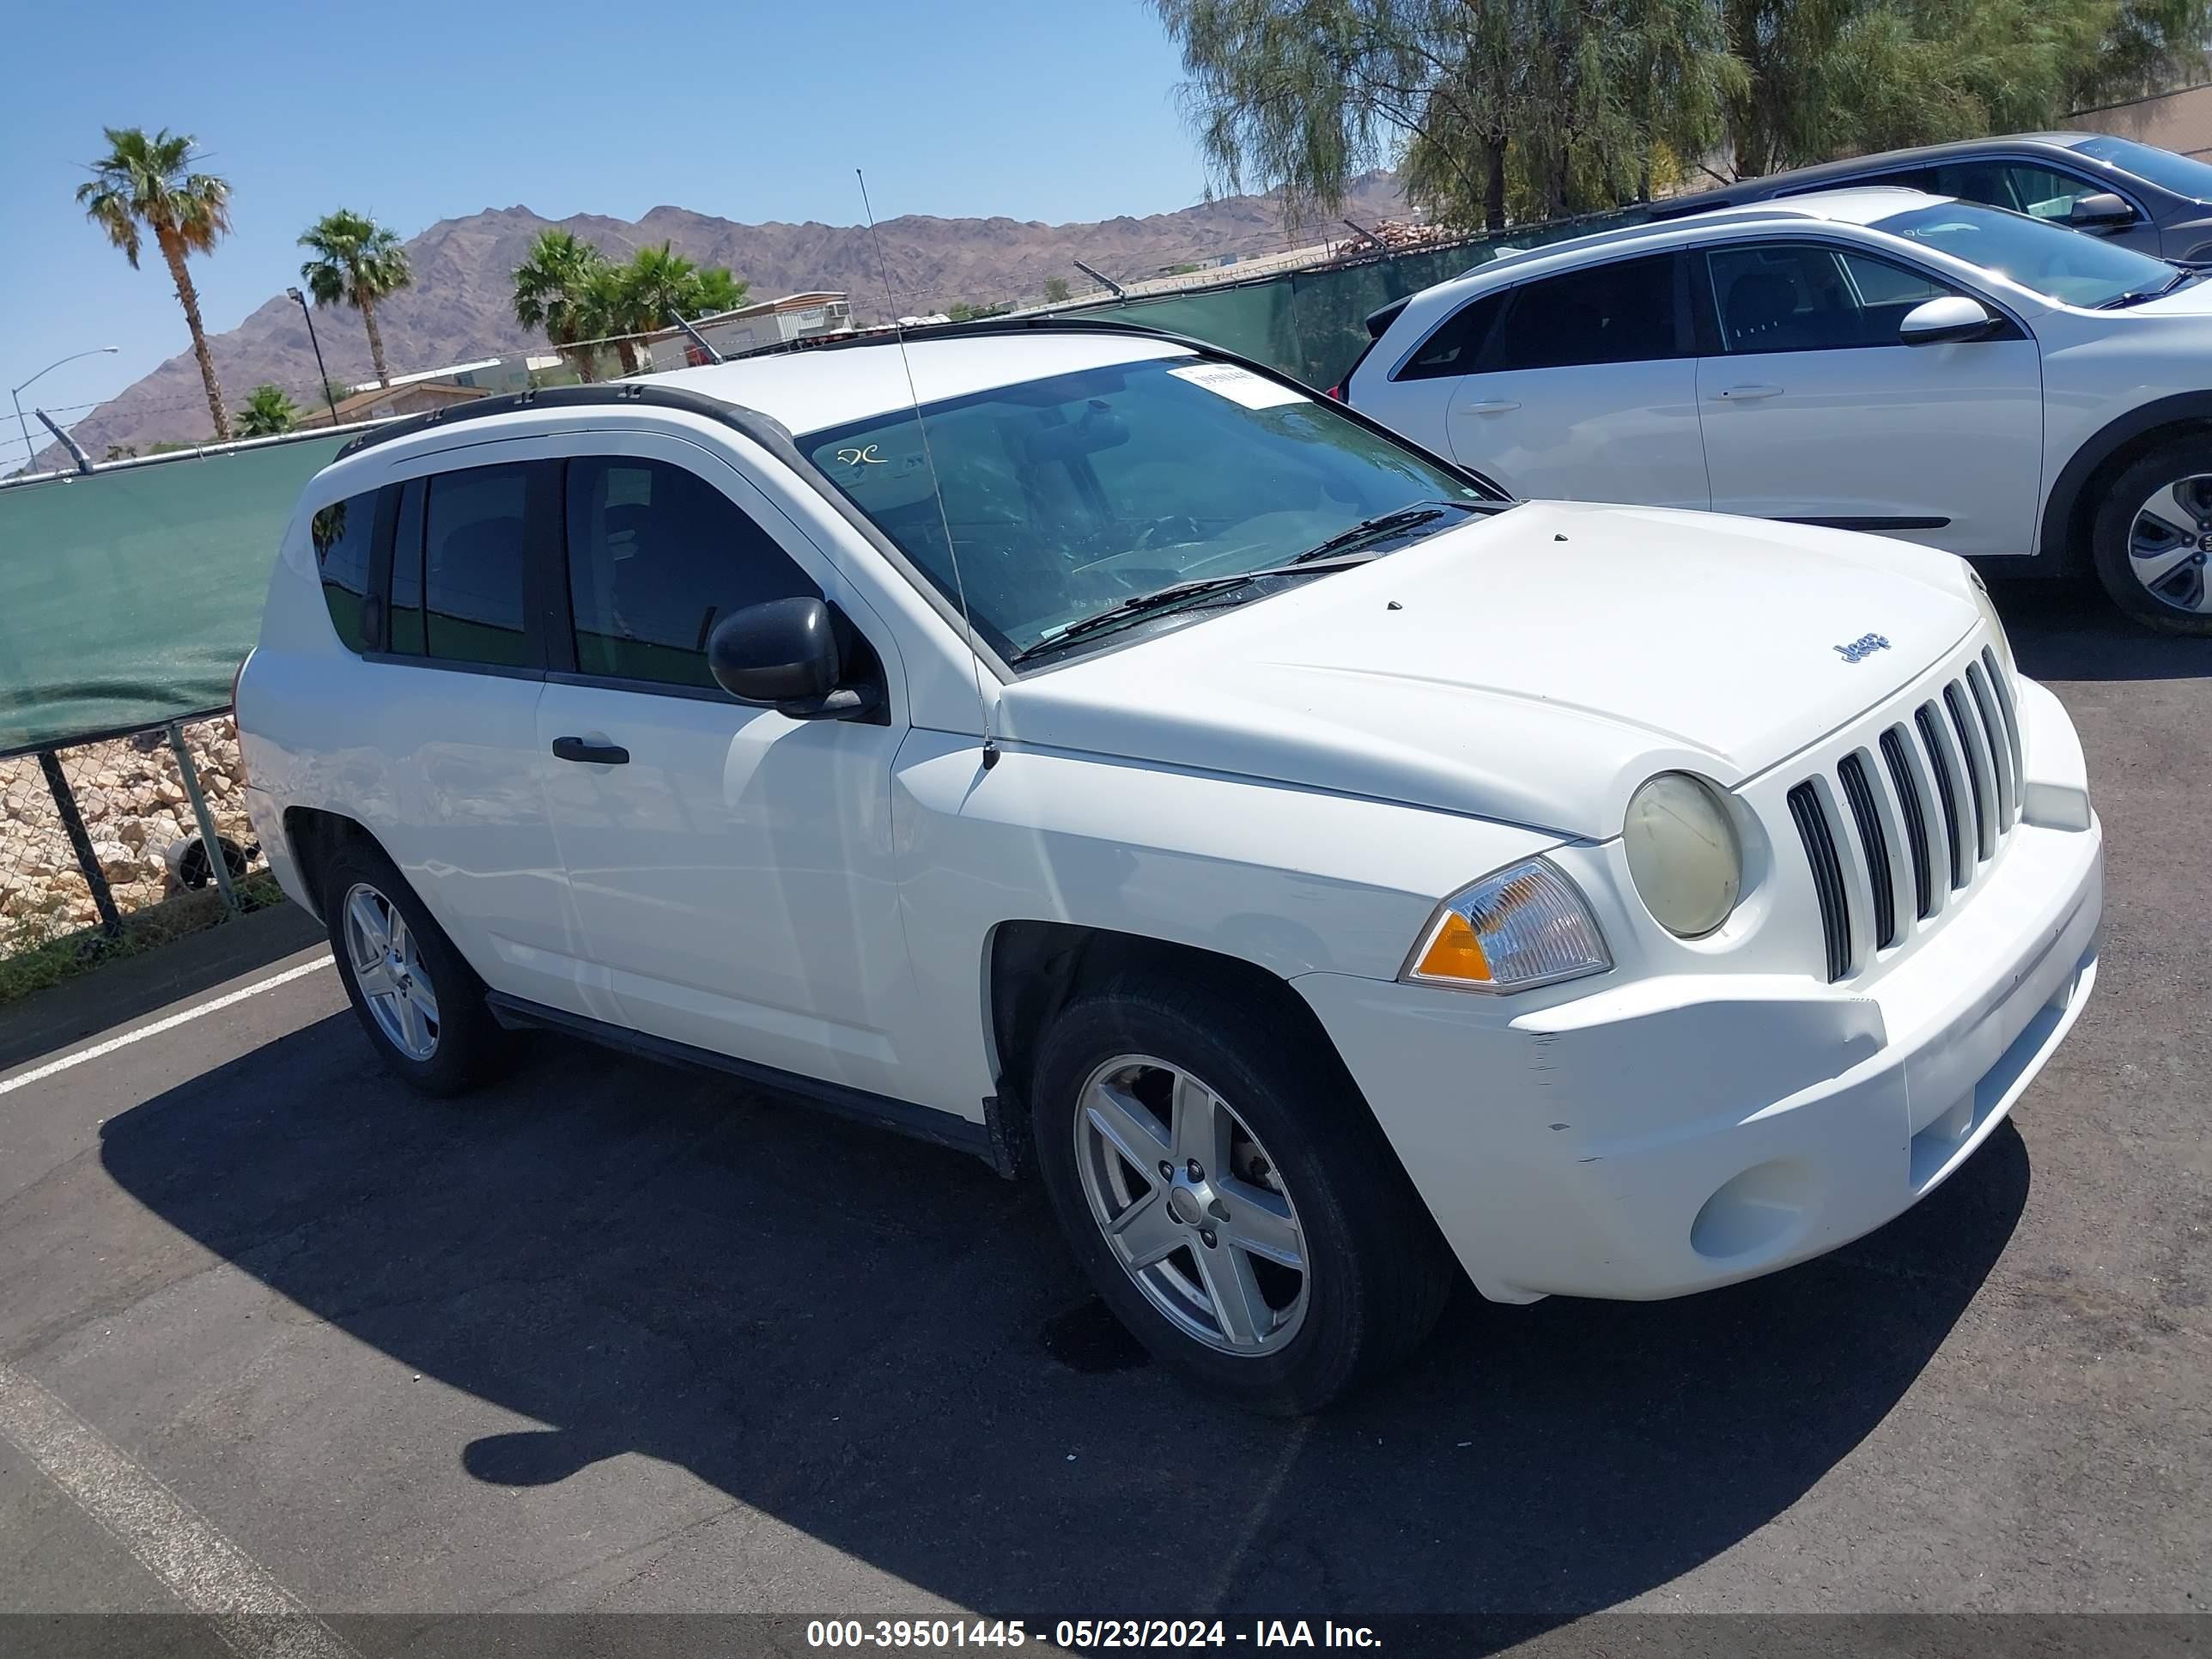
<point x="1755" y="1211"/>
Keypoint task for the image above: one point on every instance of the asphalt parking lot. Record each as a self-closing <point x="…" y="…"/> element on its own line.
<point x="618" y="1338"/>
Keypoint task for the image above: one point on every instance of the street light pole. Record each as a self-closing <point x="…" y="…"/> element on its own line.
<point x="30" y="453"/>
<point x="318" y="345"/>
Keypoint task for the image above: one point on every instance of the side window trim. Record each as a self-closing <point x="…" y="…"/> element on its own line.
<point x="1705" y="303"/>
<point x="1685" y="327"/>
<point x="546" y="618"/>
<point x="1711" y="342"/>
<point x="400" y="554"/>
<point x="376" y="603"/>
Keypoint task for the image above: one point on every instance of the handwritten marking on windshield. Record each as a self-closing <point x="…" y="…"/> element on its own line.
<point x="857" y="457"/>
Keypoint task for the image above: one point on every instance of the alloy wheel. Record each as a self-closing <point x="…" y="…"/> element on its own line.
<point x="2169" y="542"/>
<point x="1191" y="1205"/>
<point x="388" y="968"/>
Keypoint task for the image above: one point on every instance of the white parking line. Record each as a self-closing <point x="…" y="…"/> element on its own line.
<point x="255" y="1616"/>
<point x="161" y="1025"/>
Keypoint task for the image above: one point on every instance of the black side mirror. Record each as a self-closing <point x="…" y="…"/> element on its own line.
<point x="2102" y="211"/>
<point x="788" y="655"/>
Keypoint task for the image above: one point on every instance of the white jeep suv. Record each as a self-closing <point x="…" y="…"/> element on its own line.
<point x="1874" y="359"/>
<point x="1115" y="761"/>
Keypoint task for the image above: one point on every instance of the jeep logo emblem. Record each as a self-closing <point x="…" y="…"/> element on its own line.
<point x="1863" y="647"/>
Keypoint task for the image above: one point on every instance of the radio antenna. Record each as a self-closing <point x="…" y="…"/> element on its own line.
<point x="945" y="518"/>
<point x="697" y="338"/>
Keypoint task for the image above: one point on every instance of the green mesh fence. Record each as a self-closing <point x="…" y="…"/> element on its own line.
<point x="1313" y="324"/>
<point x="127" y="598"/>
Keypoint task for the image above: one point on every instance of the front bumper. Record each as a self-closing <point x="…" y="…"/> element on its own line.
<point x="1674" y="1133"/>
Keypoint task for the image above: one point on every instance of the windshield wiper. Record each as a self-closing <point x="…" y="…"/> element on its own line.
<point x="1136" y="606"/>
<point x="1334" y="554"/>
<point x="1141" y="605"/>
<point x="1382" y="524"/>
<point x="2138" y="295"/>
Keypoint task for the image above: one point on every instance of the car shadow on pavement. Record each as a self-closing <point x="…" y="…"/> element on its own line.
<point x="2069" y="630"/>
<point x="847" y="1331"/>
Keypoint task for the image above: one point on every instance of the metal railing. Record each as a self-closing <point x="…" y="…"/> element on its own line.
<point x="136" y="824"/>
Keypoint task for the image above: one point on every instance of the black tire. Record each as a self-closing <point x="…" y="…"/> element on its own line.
<point x="1377" y="1272"/>
<point x="2182" y="457"/>
<point x="471" y="1047"/>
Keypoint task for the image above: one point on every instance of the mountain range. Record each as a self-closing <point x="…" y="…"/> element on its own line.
<point x="459" y="307"/>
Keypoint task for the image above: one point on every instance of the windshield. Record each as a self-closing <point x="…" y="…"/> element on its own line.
<point x="2178" y="173"/>
<point x="2064" y="264"/>
<point x="1071" y="495"/>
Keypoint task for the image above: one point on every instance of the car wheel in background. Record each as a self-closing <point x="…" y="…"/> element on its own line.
<point x="423" y="1006"/>
<point x="1226" y="1190"/>
<point x="2152" y="538"/>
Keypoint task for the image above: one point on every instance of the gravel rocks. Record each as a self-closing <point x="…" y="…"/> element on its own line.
<point x="135" y="807"/>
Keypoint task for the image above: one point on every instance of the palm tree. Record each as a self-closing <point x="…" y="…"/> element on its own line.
<point x="608" y="308"/>
<point x="554" y="290"/>
<point x="657" y="286"/>
<point x="268" y="413"/>
<point x="149" y="183"/>
<point x="660" y="283"/>
<point x="718" y="291"/>
<point x="359" y="262"/>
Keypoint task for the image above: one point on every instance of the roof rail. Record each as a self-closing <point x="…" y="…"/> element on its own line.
<point x="570" y="397"/>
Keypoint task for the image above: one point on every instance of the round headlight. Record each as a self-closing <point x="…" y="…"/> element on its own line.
<point x="1683" y="854"/>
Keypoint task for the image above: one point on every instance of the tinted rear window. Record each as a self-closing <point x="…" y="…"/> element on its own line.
<point x="474" y="551"/>
<point x="341" y="534"/>
<point x="1623" y="312"/>
<point x="1456" y="345"/>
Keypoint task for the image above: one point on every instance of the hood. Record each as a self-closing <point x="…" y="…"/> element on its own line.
<point x="2194" y="301"/>
<point x="1534" y="667"/>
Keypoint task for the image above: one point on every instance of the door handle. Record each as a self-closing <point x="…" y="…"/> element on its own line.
<point x="590" y="754"/>
<point x="1747" y="394"/>
<point x="1494" y="406"/>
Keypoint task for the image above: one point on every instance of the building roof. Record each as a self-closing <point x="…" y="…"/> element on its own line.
<point x="742" y="314"/>
<point x="417" y="395"/>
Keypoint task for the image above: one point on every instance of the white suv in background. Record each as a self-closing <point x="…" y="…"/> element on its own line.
<point x="1120" y="764"/>
<point x="1872" y="359"/>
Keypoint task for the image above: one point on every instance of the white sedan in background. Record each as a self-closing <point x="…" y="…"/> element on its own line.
<point x="1873" y="359"/>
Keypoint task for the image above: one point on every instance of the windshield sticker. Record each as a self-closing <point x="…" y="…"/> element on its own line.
<point x="1239" y="385"/>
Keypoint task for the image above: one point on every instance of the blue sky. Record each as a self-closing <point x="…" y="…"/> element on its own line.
<point x="415" y="111"/>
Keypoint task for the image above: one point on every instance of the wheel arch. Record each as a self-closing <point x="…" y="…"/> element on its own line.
<point x="313" y="835"/>
<point x="2071" y="507"/>
<point x="1033" y="969"/>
